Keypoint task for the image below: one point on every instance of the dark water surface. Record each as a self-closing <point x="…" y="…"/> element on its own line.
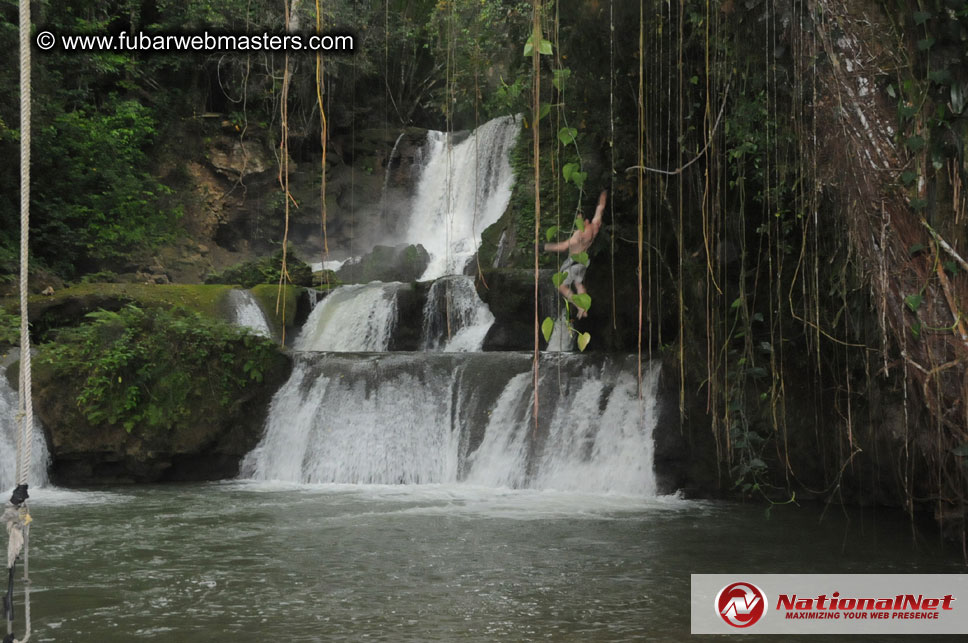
<point x="263" y="562"/>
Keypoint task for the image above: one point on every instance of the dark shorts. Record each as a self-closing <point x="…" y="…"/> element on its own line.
<point x="575" y="270"/>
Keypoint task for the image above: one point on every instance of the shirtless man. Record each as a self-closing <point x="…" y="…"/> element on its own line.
<point x="579" y="242"/>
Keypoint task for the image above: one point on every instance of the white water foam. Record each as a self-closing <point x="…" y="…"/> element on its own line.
<point x="332" y="264"/>
<point x="463" y="189"/>
<point x="386" y="430"/>
<point x="455" y="318"/>
<point x="8" y="443"/>
<point x="501" y="459"/>
<point x="561" y="340"/>
<point x="400" y="420"/>
<point x="356" y="318"/>
<point x="247" y="313"/>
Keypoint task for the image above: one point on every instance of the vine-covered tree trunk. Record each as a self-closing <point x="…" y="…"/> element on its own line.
<point x="878" y="142"/>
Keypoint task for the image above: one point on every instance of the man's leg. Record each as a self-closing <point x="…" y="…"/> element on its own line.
<point x="580" y="287"/>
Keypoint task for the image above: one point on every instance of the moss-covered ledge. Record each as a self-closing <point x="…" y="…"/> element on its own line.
<point x="68" y="306"/>
<point x="146" y="395"/>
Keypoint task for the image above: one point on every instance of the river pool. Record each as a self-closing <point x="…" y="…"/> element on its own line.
<point x="244" y="561"/>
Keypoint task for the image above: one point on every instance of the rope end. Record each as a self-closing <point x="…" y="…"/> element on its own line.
<point x="18" y="497"/>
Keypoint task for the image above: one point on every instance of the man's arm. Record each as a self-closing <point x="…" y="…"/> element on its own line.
<point x="597" y="220"/>
<point x="563" y="245"/>
<point x="557" y="247"/>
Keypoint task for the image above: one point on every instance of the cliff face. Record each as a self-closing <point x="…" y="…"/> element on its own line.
<point x="227" y="183"/>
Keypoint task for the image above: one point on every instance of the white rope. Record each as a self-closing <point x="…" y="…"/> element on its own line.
<point x="25" y="415"/>
<point x="27" y="419"/>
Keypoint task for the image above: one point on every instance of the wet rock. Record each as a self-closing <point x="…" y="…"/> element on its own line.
<point x="509" y="293"/>
<point x="386" y="263"/>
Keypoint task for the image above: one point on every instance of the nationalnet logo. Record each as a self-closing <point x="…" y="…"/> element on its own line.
<point x="741" y="604"/>
<point x="899" y="606"/>
<point x="829" y="604"/>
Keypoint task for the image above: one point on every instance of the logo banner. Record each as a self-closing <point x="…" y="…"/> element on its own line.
<point x="829" y="604"/>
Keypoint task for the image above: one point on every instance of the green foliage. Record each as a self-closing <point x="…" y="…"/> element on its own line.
<point x="572" y="173"/>
<point x="149" y="368"/>
<point x="9" y="329"/>
<point x="94" y="200"/>
<point x="475" y="37"/>
<point x="264" y="270"/>
<point x="567" y="135"/>
<point x="508" y="98"/>
<point x="559" y="76"/>
<point x="545" y="48"/>
<point x="913" y="302"/>
<point x="547" y="327"/>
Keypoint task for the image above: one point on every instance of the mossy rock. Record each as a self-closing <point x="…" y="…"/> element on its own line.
<point x="68" y="307"/>
<point x="179" y="397"/>
<point x="284" y="313"/>
<point x="387" y="263"/>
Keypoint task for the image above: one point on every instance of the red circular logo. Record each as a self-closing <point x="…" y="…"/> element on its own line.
<point x="741" y="604"/>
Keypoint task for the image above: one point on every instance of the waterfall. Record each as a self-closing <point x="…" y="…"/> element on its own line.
<point x="467" y="417"/>
<point x="464" y="188"/>
<point x="8" y="444"/>
<point x="363" y="422"/>
<point x="561" y="339"/>
<point x="356" y="318"/>
<point x="353" y="413"/>
<point x="599" y="435"/>
<point x="247" y="312"/>
<point x="454" y="317"/>
<point x="386" y="175"/>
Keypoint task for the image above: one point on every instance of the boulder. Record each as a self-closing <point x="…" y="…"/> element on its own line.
<point x="386" y="263"/>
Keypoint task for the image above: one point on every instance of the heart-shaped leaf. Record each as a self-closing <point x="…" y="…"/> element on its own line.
<point x="913" y="302"/>
<point x="567" y="135"/>
<point x="568" y="170"/>
<point x="547" y="326"/>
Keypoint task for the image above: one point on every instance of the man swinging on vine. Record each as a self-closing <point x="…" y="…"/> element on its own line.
<point x="579" y="242"/>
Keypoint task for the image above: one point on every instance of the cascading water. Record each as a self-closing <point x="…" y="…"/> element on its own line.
<point x="8" y="443"/>
<point x="463" y="189"/>
<point x="393" y="419"/>
<point x="247" y="313"/>
<point x="561" y="339"/>
<point x="455" y="318"/>
<point x="599" y="435"/>
<point x="352" y="319"/>
<point x="452" y="414"/>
